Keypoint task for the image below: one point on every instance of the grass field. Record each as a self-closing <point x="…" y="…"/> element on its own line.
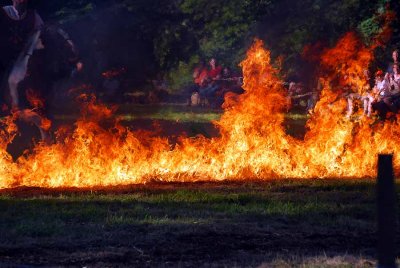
<point x="180" y="113"/>
<point x="283" y="223"/>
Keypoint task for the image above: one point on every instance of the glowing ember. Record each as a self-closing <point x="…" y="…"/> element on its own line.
<point x="113" y="73"/>
<point x="253" y="142"/>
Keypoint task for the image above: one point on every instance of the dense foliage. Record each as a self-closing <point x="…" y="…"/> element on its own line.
<point x="171" y="36"/>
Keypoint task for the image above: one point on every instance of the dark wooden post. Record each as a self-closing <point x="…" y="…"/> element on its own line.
<point x="386" y="201"/>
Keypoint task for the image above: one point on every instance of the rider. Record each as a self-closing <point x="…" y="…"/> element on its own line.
<point x="18" y="23"/>
<point x="21" y="31"/>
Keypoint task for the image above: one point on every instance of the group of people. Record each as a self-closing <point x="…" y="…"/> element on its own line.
<point x="33" y="55"/>
<point x="382" y="95"/>
<point x="210" y="83"/>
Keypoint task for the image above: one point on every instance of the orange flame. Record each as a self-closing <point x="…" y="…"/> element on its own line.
<point x="34" y="99"/>
<point x="99" y="151"/>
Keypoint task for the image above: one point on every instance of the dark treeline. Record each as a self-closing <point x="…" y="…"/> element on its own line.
<point x="168" y="37"/>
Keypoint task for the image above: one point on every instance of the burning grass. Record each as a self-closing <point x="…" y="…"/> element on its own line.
<point x="98" y="150"/>
<point x="292" y="222"/>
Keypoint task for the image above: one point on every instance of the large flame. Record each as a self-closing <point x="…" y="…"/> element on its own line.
<point x="99" y="151"/>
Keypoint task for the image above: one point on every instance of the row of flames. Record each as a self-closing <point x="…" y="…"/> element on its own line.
<point x="252" y="145"/>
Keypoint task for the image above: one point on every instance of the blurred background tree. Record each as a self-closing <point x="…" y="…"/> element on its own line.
<point x="169" y="37"/>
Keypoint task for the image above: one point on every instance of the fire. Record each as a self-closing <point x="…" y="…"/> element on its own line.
<point x="99" y="151"/>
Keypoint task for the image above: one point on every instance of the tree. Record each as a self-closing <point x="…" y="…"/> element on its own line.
<point x="175" y="34"/>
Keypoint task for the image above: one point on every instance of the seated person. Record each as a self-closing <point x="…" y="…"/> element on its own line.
<point x="230" y="82"/>
<point x="199" y="80"/>
<point x="380" y="96"/>
<point x="365" y="97"/>
<point x="200" y="75"/>
<point x="395" y="83"/>
<point x="299" y="95"/>
<point x="392" y="94"/>
<point x="395" y="57"/>
<point x="295" y="89"/>
<point x="215" y="71"/>
<point x="210" y="85"/>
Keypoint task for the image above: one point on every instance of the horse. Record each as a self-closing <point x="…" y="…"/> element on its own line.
<point x="38" y="66"/>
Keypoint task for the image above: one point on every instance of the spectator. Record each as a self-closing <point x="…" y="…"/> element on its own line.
<point x="214" y="72"/>
<point x="381" y="94"/>
<point x="366" y="97"/>
<point x="208" y="90"/>
<point x="395" y="57"/>
<point x="395" y="80"/>
<point x="394" y="98"/>
<point x="230" y="82"/>
<point x="199" y="80"/>
<point x="200" y="75"/>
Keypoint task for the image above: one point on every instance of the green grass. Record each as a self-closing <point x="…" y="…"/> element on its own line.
<point x="175" y="116"/>
<point x="176" y="113"/>
<point x="279" y="223"/>
<point x="168" y="112"/>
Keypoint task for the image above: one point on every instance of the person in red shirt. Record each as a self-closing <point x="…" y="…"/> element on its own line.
<point x="199" y="80"/>
<point x="209" y="89"/>
<point x="215" y="71"/>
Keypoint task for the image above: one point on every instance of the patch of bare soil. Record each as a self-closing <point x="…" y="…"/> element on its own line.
<point x="227" y="244"/>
